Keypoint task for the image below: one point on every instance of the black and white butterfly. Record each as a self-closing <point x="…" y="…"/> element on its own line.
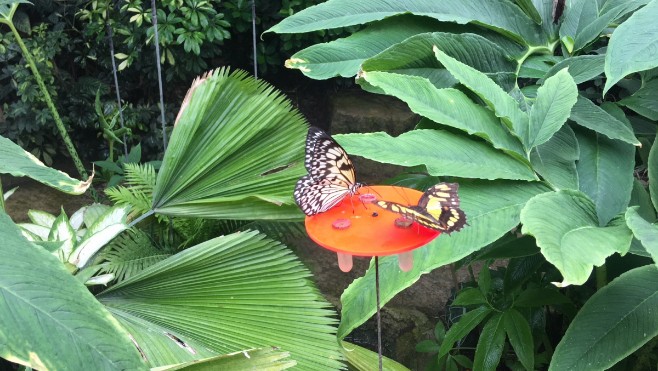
<point x="330" y="176"/>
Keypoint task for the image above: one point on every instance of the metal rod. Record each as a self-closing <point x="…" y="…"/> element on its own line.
<point x="253" y="31"/>
<point x="116" y="81"/>
<point x="154" y="17"/>
<point x="379" y="319"/>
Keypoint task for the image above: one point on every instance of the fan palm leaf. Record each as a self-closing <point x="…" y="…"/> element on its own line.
<point x="235" y="152"/>
<point x="227" y="294"/>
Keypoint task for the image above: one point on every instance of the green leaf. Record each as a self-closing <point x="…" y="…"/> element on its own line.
<point x="363" y="359"/>
<point x="41" y="218"/>
<point x="640" y="197"/>
<point x="577" y="15"/>
<point x="538" y="297"/>
<point x="490" y="346"/>
<point x="443" y="152"/>
<point x="520" y="270"/>
<point x="508" y="247"/>
<point x="520" y="336"/>
<point x="15" y="161"/>
<point x="587" y="114"/>
<point x="609" y="12"/>
<point x="62" y="231"/>
<point x="605" y="172"/>
<point x="414" y="56"/>
<point x="644" y="101"/>
<point x="463" y="327"/>
<point x="484" y="280"/>
<point x="617" y="320"/>
<point x="644" y="231"/>
<point x="529" y="9"/>
<point x="449" y="107"/>
<point x="235" y="152"/>
<point x="230" y="293"/>
<point x="498" y="15"/>
<point x="439" y="331"/>
<point x="427" y="346"/>
<point x="582" y="67"/>
<point x="49" y="302"/>
<point x="469" y="296"/>
<point x="556" y="159"/>
<point x="554" y="101"/>
<point x="633" y="46"/>
<point x="104" y="229"/>
<point x="265" y="359"/>
<point x="504" y="106"/>
<point x="652" y="169"/>
<point x="343" y="57"/>
<point x="537" y="66"/>
<point x="492" y="209"/>
<point x="566" y="228"/>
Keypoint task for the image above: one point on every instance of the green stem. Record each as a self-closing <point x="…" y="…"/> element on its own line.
<point x="601" y="277"/>
<point x="2" y="198"/>
<point x="51" y="105"/>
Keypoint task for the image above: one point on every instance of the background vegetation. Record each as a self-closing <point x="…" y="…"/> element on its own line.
<point x="544" y="115"/>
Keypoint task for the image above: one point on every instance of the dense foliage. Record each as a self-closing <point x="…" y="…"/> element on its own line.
<point x="546" y="118"/>
<point x="69" y="41"/>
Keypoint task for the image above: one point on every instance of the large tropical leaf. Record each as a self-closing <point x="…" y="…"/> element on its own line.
<point x="49" y="320"/>
<point x="503" y="105"/>
<point x="16" y="161"/>
<point x="235" y="152"/>
<point x="633" y="45"/>
<point x="414" y="56"/>
<point x="566" y="228"/>
<point x="343" y="57"/>
<point x="605" y="173"/>
<point x="614" y="322"/>
<point x="499" y="15"/>
<point x="492" y="209"/>
<point x="449" y="107"/>
<point x="442" y="151"/>
<point x="231" y="293"/>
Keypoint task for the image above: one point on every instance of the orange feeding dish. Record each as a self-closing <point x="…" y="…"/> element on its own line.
<point x="357" y="227"/>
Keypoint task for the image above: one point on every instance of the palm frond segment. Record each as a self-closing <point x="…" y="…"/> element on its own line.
<point x="227" y="294"/>
<point x="235" y="153"/>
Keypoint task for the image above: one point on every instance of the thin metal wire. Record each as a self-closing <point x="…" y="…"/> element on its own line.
<point x="154" y="18"/>
<point x="116" y="78"/>
<point x="253" y="32"/>
<point x="379" y="319"/>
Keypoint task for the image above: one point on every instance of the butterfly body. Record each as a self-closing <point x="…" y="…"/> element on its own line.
<point x="438" y="209"/>
<point x="330" y="176"/>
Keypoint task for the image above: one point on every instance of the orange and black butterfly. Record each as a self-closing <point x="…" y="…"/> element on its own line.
<point x="438" y="208"/>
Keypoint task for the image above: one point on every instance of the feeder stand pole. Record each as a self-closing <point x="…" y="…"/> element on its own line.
<point x="379" y="320"/>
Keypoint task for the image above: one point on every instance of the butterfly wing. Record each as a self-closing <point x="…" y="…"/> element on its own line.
<point x="326" y="159"/>
<point x="330" y="174"/>
<point x="438" y="208"/>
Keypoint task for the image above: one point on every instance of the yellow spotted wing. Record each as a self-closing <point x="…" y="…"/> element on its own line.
<point x="438" y="208"/>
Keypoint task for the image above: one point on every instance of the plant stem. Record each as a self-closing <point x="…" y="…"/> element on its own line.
<point x="601" y="277"/>
<point x="51" y="105"/>
<point x="2" y="198"/>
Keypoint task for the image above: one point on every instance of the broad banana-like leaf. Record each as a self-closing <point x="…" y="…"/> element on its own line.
<point x="48" y="319"/>
<point x="235" y="153"/>
<point x="16" y="161"/>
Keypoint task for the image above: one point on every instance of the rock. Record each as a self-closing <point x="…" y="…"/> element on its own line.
<point x="360" y="112"/>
